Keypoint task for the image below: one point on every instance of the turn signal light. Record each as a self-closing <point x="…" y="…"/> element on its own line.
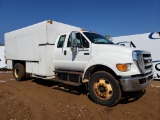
<point x="123" y="67"/>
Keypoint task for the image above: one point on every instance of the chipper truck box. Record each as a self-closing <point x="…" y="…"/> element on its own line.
<point x="70" y="55"/>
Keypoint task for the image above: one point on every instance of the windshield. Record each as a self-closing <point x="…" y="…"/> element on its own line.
<point x="96" y="38"/>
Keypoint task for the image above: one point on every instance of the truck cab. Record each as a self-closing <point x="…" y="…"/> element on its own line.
<point x="90" y="53"/>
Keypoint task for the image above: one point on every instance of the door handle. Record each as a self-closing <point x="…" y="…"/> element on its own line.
<point x="65" y="52"/>
<point x="86" y="53"/>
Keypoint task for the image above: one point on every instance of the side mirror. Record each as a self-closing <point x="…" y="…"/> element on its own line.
<point x="73" y="41"/>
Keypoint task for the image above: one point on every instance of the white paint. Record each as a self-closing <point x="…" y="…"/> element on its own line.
<point x="2" y="59"/>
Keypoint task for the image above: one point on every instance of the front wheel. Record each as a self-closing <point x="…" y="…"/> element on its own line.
<point x="104" y="88"/>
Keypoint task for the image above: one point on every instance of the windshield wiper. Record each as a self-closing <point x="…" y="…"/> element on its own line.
<point x="102" y="43"/>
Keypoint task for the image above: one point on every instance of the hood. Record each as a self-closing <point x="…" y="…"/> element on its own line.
<point x="112" y="50"/>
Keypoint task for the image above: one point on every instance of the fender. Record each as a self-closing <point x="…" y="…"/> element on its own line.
<point x="110" y="61"/>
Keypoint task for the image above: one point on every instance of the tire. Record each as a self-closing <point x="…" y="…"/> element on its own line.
<point x="104" y="89"/>
<point x="19" y="72"/>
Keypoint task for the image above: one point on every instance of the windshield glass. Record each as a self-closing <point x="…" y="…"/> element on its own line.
<point x="97" y="39"/>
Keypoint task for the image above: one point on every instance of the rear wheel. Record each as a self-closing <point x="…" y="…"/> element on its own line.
<point x="19" y="72"/>
<point x="104" y="88"/>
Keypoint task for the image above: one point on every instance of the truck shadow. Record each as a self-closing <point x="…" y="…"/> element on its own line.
<point x="42" y="82"/>
<point x="71" y="89"/>
<point x="77" y="90"/>
<point x="129" y="97"/>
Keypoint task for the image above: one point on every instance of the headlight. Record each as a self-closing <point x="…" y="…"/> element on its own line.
<point x="123" y="67"/>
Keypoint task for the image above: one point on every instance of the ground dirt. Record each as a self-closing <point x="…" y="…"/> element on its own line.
<point x="46" y="100"/>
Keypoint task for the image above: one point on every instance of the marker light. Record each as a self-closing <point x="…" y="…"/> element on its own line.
<point x="123" y="67"/>
<point x="50" y="21"/>
<point x="82" y="29"/>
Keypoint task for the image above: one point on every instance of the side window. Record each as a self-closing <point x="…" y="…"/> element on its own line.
<point x="85" y="42"/>
<point x="81" y="41"/>
<point x="61" y="41"/>
<point x="69" y="41"/>
<point x="78" y="39"/>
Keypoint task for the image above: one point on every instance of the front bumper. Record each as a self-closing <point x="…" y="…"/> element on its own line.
<point x="136" y="83"/>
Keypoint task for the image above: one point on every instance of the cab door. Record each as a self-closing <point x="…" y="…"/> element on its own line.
<point x="66" y="59"/>
<point x="58" y="52"/>
<point x="78" y="59"/>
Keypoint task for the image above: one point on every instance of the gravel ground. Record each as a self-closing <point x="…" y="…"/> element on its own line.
<point x="46" y="100"/>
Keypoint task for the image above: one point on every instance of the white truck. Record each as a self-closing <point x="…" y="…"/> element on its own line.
<point x="148" y="42"/>
<point x="2" y="60"/>
<point x="70" y="55"/>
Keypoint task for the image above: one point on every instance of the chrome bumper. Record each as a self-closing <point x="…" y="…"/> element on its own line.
<point x="136" y="83"/>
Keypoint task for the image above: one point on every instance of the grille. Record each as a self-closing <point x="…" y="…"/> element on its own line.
<point x="147" y="59"/>
<point x="143" y="60"/>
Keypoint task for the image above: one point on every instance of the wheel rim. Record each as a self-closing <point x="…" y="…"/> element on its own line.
<point x="16" y="72"/>
<point x="103" y="89"/>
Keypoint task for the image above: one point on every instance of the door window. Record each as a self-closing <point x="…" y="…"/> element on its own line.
<point x="61" y="41"/>
<point x="80" y="40"/>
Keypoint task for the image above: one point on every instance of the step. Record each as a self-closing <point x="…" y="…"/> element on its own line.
<point x="67" y="82"/>
<point x="69" y="72"/>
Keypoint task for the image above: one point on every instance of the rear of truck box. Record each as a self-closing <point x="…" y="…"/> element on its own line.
<point x="2" y="60"/>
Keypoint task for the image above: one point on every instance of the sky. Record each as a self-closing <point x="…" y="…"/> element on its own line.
<point x="106" y="17"/>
